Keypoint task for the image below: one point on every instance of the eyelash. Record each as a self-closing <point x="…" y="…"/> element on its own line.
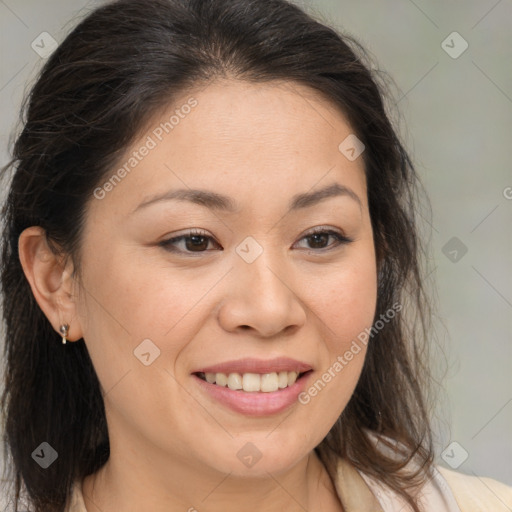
<point x="168" y="244"/>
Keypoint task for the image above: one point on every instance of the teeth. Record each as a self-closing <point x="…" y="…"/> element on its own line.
<point x="221" y="379"/>
<point x="269" y="382"/>
<point x="235" y="381"/>
<point x="282" y="380"/>
<point x="251" y="382"/>
<point x="292" y="377"/>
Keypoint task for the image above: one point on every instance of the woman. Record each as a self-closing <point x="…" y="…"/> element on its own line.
<point x="211" y="273"/>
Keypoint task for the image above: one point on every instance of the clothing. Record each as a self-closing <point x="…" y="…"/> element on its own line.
<point x="448" y="491"/>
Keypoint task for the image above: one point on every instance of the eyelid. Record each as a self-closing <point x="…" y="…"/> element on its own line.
<point x="324" y="229"/>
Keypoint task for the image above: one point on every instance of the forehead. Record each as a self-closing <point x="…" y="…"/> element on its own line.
<point x="248" y="140"/>
<point x="270" y="114"/>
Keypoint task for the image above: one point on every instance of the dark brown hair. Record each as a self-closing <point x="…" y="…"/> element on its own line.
<point x="105" y="81"/>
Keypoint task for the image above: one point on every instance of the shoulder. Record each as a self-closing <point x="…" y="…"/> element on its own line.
<point x="446" y="490"/>
<point x="449" y="491"/>
<point x="476" y="493"/>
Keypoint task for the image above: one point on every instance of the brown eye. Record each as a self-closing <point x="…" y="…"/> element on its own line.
<point x="319" y="239"/>
<point x="192" y="242"/>
<point x="196" y="242"/>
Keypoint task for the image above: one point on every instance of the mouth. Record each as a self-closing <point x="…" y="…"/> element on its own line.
<point x="254" y="387"/>
<point x="253" y="382"/>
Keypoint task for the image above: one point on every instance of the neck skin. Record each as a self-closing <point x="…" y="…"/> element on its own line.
<point x="130" y="482"/>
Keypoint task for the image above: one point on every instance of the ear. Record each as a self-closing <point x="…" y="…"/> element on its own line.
<point x="51" y="281"/>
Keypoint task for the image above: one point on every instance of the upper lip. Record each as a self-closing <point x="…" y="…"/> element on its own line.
<point x="251" y="365"/>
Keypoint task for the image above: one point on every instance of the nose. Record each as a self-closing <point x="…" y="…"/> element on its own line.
<point x="261" y="297"/>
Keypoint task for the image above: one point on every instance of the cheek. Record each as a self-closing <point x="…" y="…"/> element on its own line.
<point x="135" y="300"/>
<point x="345" y="306"/>
<point x="344" y="303"/>
<point x="345" y="300"/>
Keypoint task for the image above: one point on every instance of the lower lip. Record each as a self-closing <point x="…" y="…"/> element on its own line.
<point x="257" y="403"/>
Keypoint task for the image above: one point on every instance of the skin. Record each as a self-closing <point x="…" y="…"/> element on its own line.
<point x="172" y="446"/>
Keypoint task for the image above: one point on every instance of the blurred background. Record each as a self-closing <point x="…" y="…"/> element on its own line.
<point x="450" y="63"/>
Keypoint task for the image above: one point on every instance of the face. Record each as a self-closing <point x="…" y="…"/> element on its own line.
<point x="271" y="278"/>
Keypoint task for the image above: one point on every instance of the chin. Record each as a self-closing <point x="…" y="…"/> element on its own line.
<point x="257" y="456"/>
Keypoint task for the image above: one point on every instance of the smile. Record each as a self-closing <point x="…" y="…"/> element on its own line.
<point x="252" y="382"/>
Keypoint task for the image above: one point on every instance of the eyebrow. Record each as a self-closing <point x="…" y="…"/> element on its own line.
<point x="215" y="201"/>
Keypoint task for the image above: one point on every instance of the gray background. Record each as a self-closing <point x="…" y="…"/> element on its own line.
<point x="457" y="123"/>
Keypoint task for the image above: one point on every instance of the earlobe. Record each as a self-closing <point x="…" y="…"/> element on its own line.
<point x="50" y="281"/>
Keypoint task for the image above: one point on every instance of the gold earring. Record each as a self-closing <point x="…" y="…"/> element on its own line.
<point x="64" y="329"/>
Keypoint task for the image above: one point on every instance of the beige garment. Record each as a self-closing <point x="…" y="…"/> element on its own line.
<point x="478" y="494"/>
<point x="448" y="491"/>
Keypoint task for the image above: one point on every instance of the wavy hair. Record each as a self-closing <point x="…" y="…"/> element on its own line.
<point x="114" y="71"/>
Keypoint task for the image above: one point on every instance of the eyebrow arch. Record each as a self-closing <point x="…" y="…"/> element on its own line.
<point x="215" y="201"/>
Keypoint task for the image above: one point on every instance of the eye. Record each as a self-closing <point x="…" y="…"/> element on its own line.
<point x="198" y="241"/>
<point x="320" y="236"/>
<point x="193" y="241"/>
